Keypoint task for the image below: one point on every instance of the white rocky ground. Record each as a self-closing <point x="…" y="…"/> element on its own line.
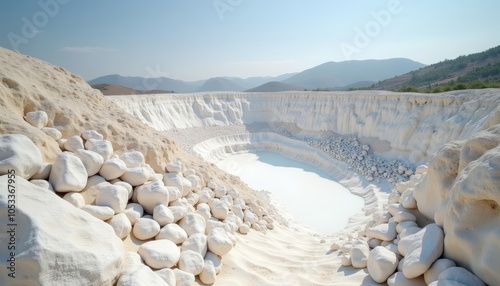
<point x="102" y="199"/>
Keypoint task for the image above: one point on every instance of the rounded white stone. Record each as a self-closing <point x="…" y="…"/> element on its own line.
<point x="145" y="228"/>
<point x="183" y="278"/>
<point x="174" y="167"/>
<point x="73" y="143"/>
<point x="193" y="223"/>
<point x="215" y="259"/>
<point x="436" y="268"/>
<point x="37" y="119"/>
<point x="218" y="241"/>
<point x="68" y="174"/>
<point x="121" y="225"/>
<point x="135" y="176"/>
<point x="74" y="198"/>
<point x="208" y="274"/>
<point x="152" y="194"/>
<point x="52" y="132"/>
<point x="91" y="134"/>
<point x="103" y="147"/>
<point x="381" y="264"/>
<point x="133" y="159"/>
<point x="112" y="169"/>
<point x="163" y="215"/>
<point x="197" y="243"/>
<point x="177" y="180"/>
<point x="133" y="211"/>
<point x="172" y="232"/>
<point x="159" y="254"/>
<point x="191" y="262"/>
<point x="91" y="160"/>
<point x="167" y="275"/>
<point x="115" y="197"/>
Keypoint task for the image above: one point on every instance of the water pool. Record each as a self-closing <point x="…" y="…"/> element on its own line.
<point x="309" y="194"/>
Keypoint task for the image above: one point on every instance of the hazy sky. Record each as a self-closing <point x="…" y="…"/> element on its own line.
<point x="199" y="39"/>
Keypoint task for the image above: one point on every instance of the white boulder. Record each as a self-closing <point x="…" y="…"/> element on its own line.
<point x="174" y="167"/>
<point x="208" y="274"/>
<point x="421" y="250"/>
<point x="103" y="147"/>
<point x="133" y="159"/>
<point x="73" y="143"/>
<point x="115" y="197"/>
<point x="133" y="211"/>
<point x="183" y="278"/>
<point x="163" y="215"/>
<point x="172" y="232"/>
<point x="19" y="153"/>
<point x="219" y="209"/>
<point x="179" y="212"/>
<point x="68" y="174"/>
<point x="38" y="119"/>
<point x="384" y="231"/>
<point x="145" y="228"/>
<point x="381" y="264"/>
<point x="74" y="198"/>
<point x="193" y="223"/>
<point x="177" y="180"/>
<point x="121" y="225"/>
<point x="359" y="254"/>
<point x="398" y="279"/>
<point x="91" y="160"/>
<point x="49" y="230"/>
<point x="43" y="173"/>
<point x="191" y="262"/>
<point x="436" y="268"/>
<point x="218" y="241"/>
<point x="197" y="243"/>
<point x="52" y="132"/>
<point x="112" y="169"/>
<point x="167" y="275"/>
<point x="91" y="134"/>
<point x="159" y="254"/>
<point x="152" y="194"/>
<point x="135" y="176"/>
<point x="404" y="216"/>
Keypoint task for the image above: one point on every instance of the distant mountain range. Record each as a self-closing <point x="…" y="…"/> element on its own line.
<point x="113" y="89"/>
<point x="477" y="70"/>
<point x="327" y="76"/>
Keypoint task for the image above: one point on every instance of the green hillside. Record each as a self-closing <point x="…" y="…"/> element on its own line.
<point x="480" y="70"/>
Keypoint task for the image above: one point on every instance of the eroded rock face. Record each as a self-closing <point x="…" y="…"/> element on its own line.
<point x="49" y="248"/>
<point x="443" y="169"/>
<point x="472" y="217"/>
<point x="462" y="194"/>
<point x="19" y="153"/>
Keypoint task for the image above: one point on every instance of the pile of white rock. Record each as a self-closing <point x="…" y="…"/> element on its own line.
<point x="356" y="155"/>
<point x="184" y="223"/>
<point x="401" y="247"/>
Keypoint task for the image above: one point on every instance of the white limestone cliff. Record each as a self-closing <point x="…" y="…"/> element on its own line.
<point x="415" y="125"/>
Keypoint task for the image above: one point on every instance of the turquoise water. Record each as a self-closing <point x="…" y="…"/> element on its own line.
<point x="309" y="194"/>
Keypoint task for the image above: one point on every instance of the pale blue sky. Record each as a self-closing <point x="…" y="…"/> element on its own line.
<point x="199" y="39"/>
